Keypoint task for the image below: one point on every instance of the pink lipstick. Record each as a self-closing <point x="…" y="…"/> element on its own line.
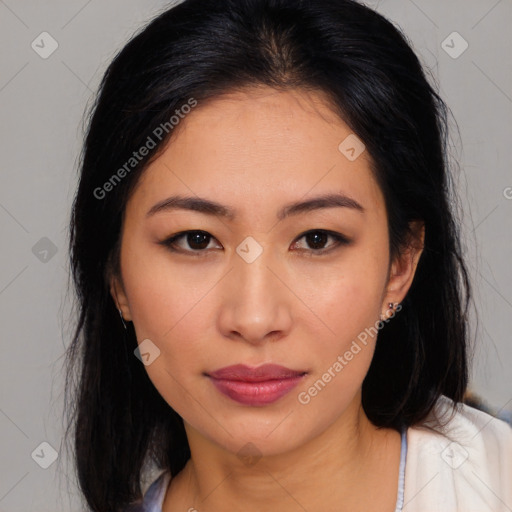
<point x="258" y="386"/>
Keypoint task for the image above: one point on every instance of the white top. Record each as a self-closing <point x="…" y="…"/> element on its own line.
<point x="464" y="467"/>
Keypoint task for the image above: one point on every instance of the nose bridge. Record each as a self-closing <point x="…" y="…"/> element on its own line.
<point x="255" y="284"/>
<point x="256" y="303"/>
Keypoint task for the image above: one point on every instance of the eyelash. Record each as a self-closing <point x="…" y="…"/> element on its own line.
<point x="340" y="240"/>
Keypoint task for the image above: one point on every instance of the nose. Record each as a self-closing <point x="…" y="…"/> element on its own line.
<point x="256" y="305"/>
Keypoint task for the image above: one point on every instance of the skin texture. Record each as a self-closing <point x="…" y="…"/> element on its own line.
<point x="256" y="151"/>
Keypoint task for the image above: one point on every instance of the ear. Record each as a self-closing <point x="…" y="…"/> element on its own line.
<point x="403" y="268"/>
<point x="119" y="295"/>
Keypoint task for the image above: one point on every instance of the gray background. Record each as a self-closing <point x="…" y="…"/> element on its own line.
<point x="42" y="103"/>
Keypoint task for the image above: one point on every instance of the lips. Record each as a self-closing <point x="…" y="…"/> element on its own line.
<point x="241" y="372"/>
<point x="255" y="386"/>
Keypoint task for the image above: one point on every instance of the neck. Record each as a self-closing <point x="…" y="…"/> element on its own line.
<point x="333" y="470"/>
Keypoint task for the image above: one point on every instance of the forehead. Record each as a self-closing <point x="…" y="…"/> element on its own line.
<point x="260" y="146"/>
<point x="273" y="119"/>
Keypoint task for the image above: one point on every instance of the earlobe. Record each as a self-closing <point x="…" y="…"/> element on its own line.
<point x="119" y="297"/>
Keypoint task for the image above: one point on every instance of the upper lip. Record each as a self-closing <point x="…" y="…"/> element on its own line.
<point x="261" y="373"/>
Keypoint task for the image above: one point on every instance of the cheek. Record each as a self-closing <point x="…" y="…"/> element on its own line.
<point x="166" y="308"/>
<point x="347" y="302"/>
<point x="157" y="292"/>
<point x="347" y="297"/>
<point x="351" y="314"/>
<point x="342" y="355"/>
<point x="167" y="305"/>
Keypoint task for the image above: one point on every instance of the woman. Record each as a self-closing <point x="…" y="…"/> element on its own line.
<point x="273" y="298"/>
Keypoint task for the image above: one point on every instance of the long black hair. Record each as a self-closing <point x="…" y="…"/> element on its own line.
<point x="196" y="51"/>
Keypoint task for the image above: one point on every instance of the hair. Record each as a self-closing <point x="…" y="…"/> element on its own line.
<point x="202" y="49"/>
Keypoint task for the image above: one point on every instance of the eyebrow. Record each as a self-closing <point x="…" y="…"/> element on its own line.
<point x="205" y="206"/>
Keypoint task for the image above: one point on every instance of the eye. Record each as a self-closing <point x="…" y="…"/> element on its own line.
<point x="197" y="241"/>
<point x="317" y="240"/>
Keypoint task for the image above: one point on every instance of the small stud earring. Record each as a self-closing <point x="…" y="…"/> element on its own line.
<point x="392" y="306"/>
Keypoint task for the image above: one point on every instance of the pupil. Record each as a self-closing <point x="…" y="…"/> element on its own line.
<point x="198" y="240"/>
<point x="316" y="240"/>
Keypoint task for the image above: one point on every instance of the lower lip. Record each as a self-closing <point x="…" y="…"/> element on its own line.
<point x="256" y="393"/>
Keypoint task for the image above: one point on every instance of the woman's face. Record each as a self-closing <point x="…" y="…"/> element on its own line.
<point x="253" y="287"/>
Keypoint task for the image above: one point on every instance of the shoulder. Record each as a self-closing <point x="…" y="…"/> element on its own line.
<point x="477" y="431"/>
<point x="458" y="460"/>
